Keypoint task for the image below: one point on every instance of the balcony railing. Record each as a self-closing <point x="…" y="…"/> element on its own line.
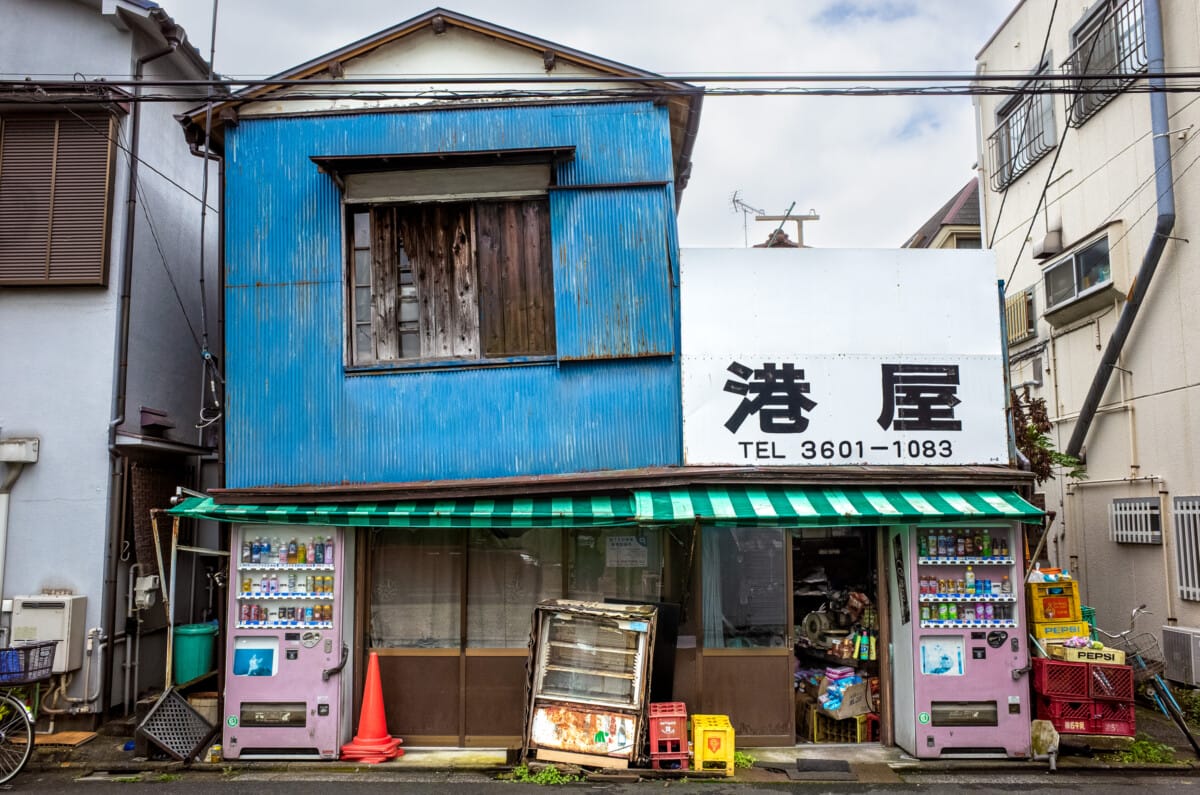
<point x="1110" y="50"/>
<point x="1024" y="132"/>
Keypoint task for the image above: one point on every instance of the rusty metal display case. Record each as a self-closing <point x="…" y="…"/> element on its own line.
<point x="589" y="682"/>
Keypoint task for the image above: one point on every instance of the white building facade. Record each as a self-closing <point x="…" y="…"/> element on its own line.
<point x="1085" y="199"/>
<point x="100" y="322"/>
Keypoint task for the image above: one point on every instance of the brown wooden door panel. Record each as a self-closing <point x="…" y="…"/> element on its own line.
<point x="755" y="691"/>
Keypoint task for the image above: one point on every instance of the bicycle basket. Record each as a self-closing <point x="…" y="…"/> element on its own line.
<point x="28" y="663"/>
<point x="1142" y="653"/>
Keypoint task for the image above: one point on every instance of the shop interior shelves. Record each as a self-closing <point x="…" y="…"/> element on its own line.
<point x="965" y="561"/>
<point x="285" y="567"/>
<point x="871" y="666"/>
<point x="965" y="597"/>
<point x="993" y="624"/>
<point x="311" y="597"/>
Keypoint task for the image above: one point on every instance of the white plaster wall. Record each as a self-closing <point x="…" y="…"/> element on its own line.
<point x="456" y="52"/>
<point x="1147" y="426"/>
<point x="57" y="345"/>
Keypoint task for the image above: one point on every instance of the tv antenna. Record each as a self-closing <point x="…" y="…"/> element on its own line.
<point x="746" y="210"/>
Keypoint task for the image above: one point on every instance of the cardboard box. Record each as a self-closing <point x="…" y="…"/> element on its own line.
<point x="1106" y="655"/>
<point x="855" y="701"/>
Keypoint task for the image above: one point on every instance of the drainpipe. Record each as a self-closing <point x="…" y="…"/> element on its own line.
<point x="16" y="453"/>
<point x="116" y="485"/>
<point x="1162" y="227"/>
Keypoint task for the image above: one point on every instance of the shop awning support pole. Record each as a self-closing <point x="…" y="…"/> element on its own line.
<point x="168" y="591"/>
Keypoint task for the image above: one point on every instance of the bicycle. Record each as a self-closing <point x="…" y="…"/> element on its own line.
<point x="20" y="667"/>
<point x="1143" y="655"/>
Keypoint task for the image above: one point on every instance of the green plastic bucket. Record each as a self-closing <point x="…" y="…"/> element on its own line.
<point x="193" y="652"/>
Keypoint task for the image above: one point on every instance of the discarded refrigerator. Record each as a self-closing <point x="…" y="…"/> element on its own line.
<point x="960" y="656"/>
<point x="287" y="684"/>
<point x="589" y="682"/>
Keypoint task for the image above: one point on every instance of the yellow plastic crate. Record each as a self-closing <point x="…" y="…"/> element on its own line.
<point x="827" y="729"/>
<point x="712" y="743"/>
<point x="1054" y="601"/>
<point x="1060" y="631"/>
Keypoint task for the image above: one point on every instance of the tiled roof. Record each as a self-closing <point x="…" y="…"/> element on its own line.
<point x="961" y="210"/>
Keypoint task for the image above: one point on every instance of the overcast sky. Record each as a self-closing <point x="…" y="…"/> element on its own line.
<point x="874" y="169"/>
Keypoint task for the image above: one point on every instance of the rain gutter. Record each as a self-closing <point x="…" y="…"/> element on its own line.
<point x="1165" y="190"/>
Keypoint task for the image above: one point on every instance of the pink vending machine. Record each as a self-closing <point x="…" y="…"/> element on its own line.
<point x="286" y="679"/>
<point x="960" y="656"/>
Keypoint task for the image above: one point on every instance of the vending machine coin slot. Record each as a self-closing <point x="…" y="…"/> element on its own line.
<point x="979" y="653"/>
<point x="293" y="654"/>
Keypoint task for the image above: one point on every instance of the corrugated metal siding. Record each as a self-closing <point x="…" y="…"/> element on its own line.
<point x="612" y="245"/>
<point x="295" y="417"/>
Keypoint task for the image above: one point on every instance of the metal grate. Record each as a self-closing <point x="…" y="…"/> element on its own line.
<point x="1019" y="317"/>
<point x="177" y="728"/>
<point x="1186" y="520"/>
<point x="1135" y="521"/>
<point x="1024" y="133"/>
<point x="1112" y="41"/>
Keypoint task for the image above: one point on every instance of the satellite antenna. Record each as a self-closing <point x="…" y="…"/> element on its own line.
<point x="740" y="206"/>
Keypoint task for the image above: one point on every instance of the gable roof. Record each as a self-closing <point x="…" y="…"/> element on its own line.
<point x="682" y="99"/>
<point x="961" y="210"/>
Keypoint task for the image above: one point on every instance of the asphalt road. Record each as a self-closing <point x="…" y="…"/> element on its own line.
<point x="1090" y="783"/>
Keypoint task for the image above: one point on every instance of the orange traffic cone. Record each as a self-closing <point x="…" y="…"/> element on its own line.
<point x="372" y="744"/>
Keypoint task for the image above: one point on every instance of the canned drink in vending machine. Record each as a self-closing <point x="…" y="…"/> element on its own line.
<point x="308" y="614"/>
<point x="243" y="613"/>
<point x="247" y="584"/>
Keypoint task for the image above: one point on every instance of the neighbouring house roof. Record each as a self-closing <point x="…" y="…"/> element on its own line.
<point x="682" y="99"/>
<point x="778" y="239"/>
<point x="962" y="210"/>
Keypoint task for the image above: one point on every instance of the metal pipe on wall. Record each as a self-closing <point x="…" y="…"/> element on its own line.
<point x="117" y="464"/>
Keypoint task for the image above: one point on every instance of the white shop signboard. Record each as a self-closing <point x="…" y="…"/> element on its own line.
<point x="825" y="357"/>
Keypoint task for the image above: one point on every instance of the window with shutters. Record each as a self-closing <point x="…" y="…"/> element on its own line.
<point x="55" y="197"/>
<point x="1108" y="52"/>
<point x="451" y="281"/>
<point x="1024" y="134"/>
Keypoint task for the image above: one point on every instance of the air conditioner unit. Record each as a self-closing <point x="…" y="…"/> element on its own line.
<point x="52" y="617"/>
<point x="1181" y="653"/>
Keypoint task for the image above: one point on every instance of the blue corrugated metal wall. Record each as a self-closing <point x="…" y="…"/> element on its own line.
<point x="295" y="417"/>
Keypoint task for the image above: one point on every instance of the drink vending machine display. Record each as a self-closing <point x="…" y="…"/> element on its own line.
<point x="284" y="683"/>
<point x="959" y="628"/>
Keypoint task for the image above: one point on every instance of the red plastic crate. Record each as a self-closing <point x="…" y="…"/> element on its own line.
<point x="669" y="761"/>
<point x="1053" y="709"/>
<point x="1060" y="679"/>
<point x="1111" y="682"/>
<point x="668" y="729"/>
<point x="1114" y="718"/>
<point x="1072" y="725"/>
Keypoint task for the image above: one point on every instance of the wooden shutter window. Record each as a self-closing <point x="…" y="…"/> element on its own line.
<point x="516" y="276"/>
<point x="55" y="192"/>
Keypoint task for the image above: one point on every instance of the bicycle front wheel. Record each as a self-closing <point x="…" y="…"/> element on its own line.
<point x="16" y="737"/>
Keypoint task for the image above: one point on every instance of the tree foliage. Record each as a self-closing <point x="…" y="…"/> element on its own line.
<point x="1031" y="422"/>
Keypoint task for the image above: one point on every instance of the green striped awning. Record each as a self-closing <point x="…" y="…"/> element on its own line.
<point x="784" y="506"/>
<point x="511" y="512"/>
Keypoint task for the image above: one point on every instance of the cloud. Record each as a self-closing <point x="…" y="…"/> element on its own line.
<point x="845" y="12"/>
<point x="873" y="168"/>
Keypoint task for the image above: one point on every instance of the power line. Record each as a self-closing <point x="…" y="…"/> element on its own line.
<point x="1048" y="76"/>
<point x="596" y="94"/>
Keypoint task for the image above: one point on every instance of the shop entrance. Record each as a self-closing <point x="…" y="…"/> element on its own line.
<point x="837" y="646"/>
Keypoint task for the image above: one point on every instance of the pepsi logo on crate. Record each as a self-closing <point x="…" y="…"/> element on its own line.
<point x="1060" y="631"/>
